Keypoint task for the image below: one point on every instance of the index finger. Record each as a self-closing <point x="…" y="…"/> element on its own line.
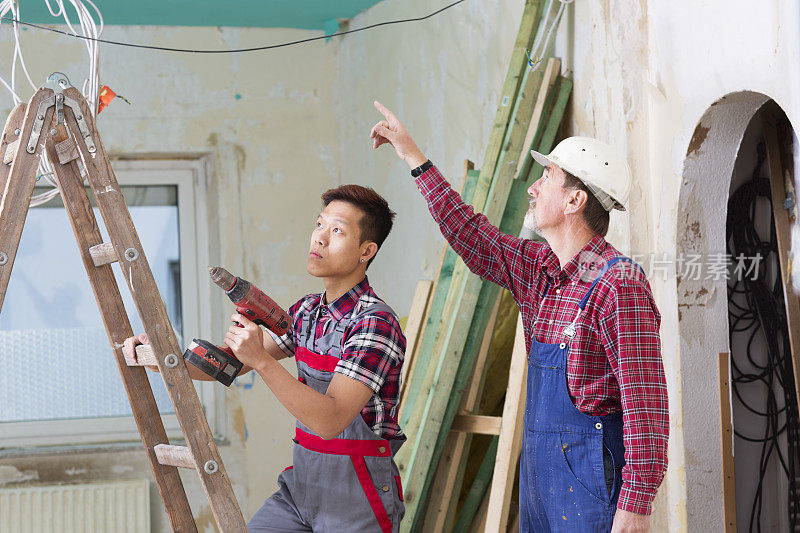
<point x="384" y="111"/>
<point x="243" y="320"/>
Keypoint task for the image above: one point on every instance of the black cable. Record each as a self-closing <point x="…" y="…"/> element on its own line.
<point x="757" y="310"/>
<point x="236" y="50"/>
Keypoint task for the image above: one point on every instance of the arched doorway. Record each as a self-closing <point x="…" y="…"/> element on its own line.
<point x="720" y="155"/>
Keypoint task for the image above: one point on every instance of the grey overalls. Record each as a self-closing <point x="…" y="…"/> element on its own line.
<point x="349" y="483"/>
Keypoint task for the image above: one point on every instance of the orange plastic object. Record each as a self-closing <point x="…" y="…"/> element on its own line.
<point x="106" y="95"/>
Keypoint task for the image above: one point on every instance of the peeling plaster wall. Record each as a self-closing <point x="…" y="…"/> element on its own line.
<point x="266" y="122"/>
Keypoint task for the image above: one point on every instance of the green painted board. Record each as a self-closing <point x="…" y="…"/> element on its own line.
<point x="435" y="314"/>
<point x="478" y="489"/>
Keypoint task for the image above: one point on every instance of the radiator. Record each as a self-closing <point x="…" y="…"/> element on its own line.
<point x="111" y="507"/>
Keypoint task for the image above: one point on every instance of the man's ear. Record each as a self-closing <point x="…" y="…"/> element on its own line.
<point x="368" y="251"/>
<point x="575" y="202"/>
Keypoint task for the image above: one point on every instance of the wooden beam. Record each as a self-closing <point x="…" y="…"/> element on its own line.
<point x="510" y="444"/>
<point x="726" y="426"/>
<point x="414" y="326"/>
<point x="422" y="359"/>
<point x="482" y="424"/>
<point x="478" y="489"/>
<point x="449" y="473"/>
<point x="537" y="126"/>
<point x="783" y="220"/>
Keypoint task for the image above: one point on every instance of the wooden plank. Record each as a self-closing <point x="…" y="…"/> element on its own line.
<point x="510" y="443"/>
<point x="782" y="217"/>
<point x="103" y="254"/>
<point x="479" y="522"/>
<point x="460" y="305"/>
<point x="417" y="313"/>
<point x="478" y="488"/>
<point x="517" y="68"/>
<point x="18" y="190"/>
<point x="118" y="328"/>
<point x="537" y="127"/>
<point x="150" y="306"/>
<point x="422" y="359"/>
<point x="449" y="473"/>
<point x="726" y="425"/>
<point x="177" y="456"/>
<point x="482" y="424"/>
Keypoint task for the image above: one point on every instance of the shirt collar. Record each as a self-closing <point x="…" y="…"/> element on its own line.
<point x="592" y="251"/>
<point x="345" y="303"/>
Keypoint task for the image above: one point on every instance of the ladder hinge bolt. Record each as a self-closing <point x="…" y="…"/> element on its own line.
<point x="131" y="254"/>
<point x="211" y="467"/>
<point x="3" y="258"/>
<point x="17" y="131"/>
<point x="171" y="360"/>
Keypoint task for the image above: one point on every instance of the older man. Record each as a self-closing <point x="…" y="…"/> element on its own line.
<point x="596" y="419"/>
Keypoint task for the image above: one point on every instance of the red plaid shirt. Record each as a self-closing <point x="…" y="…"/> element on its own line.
<point x="614" y="361"/>
<point x="373" y="349"/>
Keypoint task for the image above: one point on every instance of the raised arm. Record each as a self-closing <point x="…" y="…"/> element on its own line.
<point x="503" y="259"/>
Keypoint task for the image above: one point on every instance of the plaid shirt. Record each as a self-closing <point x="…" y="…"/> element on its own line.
<point x="373" y="349"/>
<point x="614" y="360"/>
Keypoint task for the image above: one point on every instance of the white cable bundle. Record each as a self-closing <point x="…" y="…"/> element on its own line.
<point x="539" y="49"/>
<point x="91" y="86"/>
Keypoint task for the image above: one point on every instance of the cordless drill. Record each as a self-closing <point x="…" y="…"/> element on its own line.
<point x="219" y="361"/>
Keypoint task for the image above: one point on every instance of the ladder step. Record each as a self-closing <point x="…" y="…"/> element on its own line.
<point x="103" y="254"/>
<point x="485" y="425"/>
<point x="178" y="456"/>
<point x="66" y="151"/>
<point x="144" y="356"/>
<point x="11" y="149"/>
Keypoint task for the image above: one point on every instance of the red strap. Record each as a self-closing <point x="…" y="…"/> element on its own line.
<point x="399" y="487"/>
<point x="364" y="448"/>
<point x="318" y="361"/>
<point x="372" y="494"/>
<point x="290" y="467"/>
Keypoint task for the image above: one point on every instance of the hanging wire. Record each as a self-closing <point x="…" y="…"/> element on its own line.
<point x="91" y="26"/>
<point x="757" y="312"/>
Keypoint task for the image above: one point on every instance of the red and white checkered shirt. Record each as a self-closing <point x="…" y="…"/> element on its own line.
<point x="373" y="349"/>
<point x="614" y="361"/>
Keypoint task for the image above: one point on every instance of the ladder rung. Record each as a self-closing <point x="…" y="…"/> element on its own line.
<point x="170" y="455"/>
<point x="66" y="151"/>
<point x="103" y="254"/>
<point x="11" y="149"/>
<point x="486" y="425"/>
<point x="144" y="356"/>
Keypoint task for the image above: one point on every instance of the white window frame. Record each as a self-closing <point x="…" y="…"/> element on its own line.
<point x="189" y="175"/>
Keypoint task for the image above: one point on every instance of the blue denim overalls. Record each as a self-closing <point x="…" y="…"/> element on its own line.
<point x="350" y="483"/>
<point x="562" y="480"/>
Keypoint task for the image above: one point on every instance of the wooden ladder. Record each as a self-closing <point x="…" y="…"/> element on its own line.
<point x="59" y="118"/>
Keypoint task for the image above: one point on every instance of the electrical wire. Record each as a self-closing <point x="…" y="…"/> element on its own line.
<point x="757" y="311"/>
<point x="235" y="50"/>
<point x="539" y="49"/>
<point x="91" y="26"/>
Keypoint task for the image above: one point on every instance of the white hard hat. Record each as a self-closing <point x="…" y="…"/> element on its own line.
<point x="604" y="171"/>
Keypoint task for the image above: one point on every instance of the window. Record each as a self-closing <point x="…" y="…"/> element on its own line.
<point x="59" y="383"/>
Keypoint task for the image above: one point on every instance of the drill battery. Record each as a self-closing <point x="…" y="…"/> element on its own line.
<point x="215" y="361"/>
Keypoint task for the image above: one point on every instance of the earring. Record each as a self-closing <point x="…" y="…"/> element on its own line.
<point x="362" y="260"/>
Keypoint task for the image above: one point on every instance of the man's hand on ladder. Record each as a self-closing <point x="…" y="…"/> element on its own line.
<point x="129" y="349"/>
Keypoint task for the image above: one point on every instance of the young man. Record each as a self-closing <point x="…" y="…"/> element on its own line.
<point x="349" y="350"/>
<point x="596" y="419"/>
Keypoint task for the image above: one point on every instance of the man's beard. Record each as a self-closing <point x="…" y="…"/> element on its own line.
<point x="529" y="223"/>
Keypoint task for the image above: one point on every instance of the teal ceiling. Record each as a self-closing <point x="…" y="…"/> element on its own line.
<point x="305" y="14"/>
